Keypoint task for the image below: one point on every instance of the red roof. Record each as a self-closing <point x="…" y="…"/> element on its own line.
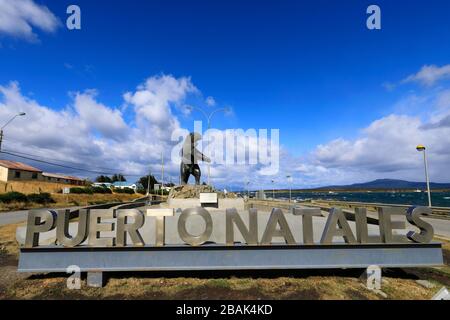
<point x="60" y="176"/>
<point x="18" y="166"/>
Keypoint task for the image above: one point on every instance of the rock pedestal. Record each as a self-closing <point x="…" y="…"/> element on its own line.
<point x="188" y="196"/>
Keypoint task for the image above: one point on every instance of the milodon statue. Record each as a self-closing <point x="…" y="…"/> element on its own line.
<point x="190" y="156"/>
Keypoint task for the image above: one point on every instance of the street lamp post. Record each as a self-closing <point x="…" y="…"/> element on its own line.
<point x="273" y="189"/>
<point x="290" y="187"/>
<point x="209" y="118"/>
<point x="20" y="114"/>
<point x="148" y="183"/>
<point x="422" y="148"/>
<point x="248" y="189"/>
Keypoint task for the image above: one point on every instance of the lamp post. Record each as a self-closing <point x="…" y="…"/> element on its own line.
<point x="421" y="148"/>
<point x="290" y="187"/>
<point x="148" y="183"/>
<point x="248" y="189"/>
<point x="20" y="114"/>
<point x="208" y="118"/>
<point x="273" y="189"/>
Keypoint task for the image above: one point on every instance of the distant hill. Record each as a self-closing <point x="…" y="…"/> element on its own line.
<point x="388" y="184"/>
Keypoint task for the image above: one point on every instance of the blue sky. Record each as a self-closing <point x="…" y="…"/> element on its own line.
<point x="310" y="68"/>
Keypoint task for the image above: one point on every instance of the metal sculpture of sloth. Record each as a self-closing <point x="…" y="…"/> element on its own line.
<point x="190" y="157"/>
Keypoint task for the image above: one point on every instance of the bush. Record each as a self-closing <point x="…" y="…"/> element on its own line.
<point x="13" y="197"/>
<point x="141" y="191"/>
<point x="90" y="190"/>
<point x="78" y="190"/>
<point x="101" y="190"/>
<point x="124" y="190"/>
<point x="41" y="198"/>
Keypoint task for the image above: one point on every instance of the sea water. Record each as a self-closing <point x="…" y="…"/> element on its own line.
<point x="438" y="199"/>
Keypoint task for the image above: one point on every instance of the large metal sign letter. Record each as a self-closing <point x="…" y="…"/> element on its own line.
<point x="185" y="235"/>
<point x="250" y="235"/>
<point x="124" y="227"/>
<point x="38" y="221"/>
<point x="414" y="215"/>
<point x="387" y="225"/>
<point x="62" y="228"/>
<point x="307" y="214"/>
<point x="277" y="218"/>
<point x="336" y="218"/>
<point x="362" y="230"/>
<point x="96" y="227"/>
<point x="160" y="223"/>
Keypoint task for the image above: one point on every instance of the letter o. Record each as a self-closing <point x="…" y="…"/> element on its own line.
<point x="185" y="235"/>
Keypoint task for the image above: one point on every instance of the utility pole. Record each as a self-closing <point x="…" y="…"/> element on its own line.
<point x="273" y="189"/>
<point x="148" y="183"/>
<point x="1" y="139"/>
<point x="422" y="148"/>
<point x="248" y="189"/>
<point x="290" y="187"/>
<point x="162" y="172"/>
<point x="20" y="114"/>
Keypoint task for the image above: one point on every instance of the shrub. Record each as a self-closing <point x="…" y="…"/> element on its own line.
<point x="124" y="190"/>
<point x="78" y="190"/>
<point x="13" y="197"/>
<point x="41" y="198"/>
<point x="141" y="191"/>
<point x="90" y="190"/>
<point x="101" y="190"/>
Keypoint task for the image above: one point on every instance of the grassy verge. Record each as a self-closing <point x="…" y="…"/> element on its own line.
<point x="296" y="285"/>
<point x="71" y="200"/>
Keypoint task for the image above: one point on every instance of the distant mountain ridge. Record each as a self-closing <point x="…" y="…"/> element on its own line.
<point x="389" y="184"/>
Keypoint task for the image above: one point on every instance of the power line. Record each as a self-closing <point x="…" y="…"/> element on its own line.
<point x="50" y="159"/>
<point x="67" y="167"/>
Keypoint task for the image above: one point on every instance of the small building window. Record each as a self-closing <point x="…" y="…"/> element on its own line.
<point x="34" y="176"/>
<point x="17" y="175"/>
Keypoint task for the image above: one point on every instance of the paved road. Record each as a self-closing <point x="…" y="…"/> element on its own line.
<point x="441" y="227"/>
<point x="12" y="217"/>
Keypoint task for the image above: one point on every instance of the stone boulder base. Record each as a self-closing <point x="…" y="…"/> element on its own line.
<point x="188" y="196"/>
<point x="189" y="192"/>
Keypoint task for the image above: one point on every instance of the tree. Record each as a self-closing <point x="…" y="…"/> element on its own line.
<point x="144" y="182"/>
<point x="103" y="179"/>
<point x="118" y="178"/>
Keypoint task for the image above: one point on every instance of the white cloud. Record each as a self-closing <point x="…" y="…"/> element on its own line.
<point x="19" y="17"/>
<point x="429" y="75"/>
<point x="210" y="101"/>
<point x="97" y="135"/>
<point x="96" y="116"/>
<point x="88" y="131"/>
<point x="386" y="148"/>
<point x="153" y="100"/>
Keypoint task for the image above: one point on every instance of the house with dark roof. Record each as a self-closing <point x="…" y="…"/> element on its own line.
<point x="59" y="178"/>
<point x="17" y="171"/>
